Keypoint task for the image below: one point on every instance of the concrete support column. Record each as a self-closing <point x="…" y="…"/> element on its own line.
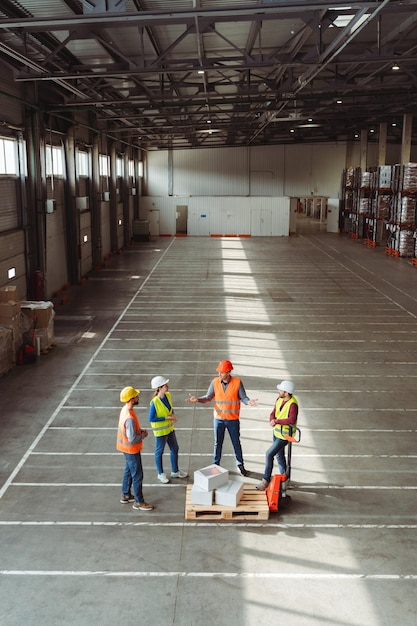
<point x="364" y="148"/>
<point x="382" y="146"/>
<point x="406" y="139"/>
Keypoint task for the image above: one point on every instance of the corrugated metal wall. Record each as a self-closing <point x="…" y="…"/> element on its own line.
<point x="196" y="172"/>
<point x="56" y="266"/>
<point x="266" y="171"/>
<point x="86" y="260"/>
<point x="220" y="215"/>
<point x="10" y="98"/>
<point x="276" y="171"/>
<point x="12" y="254"/>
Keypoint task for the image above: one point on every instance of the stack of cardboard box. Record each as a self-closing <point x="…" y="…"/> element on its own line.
<point x="212" y="483"/>
<point x="39" y="321"/>
<point x="10" y="322"/>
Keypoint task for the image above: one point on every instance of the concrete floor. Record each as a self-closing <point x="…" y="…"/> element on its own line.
<point x="333" y="315"/>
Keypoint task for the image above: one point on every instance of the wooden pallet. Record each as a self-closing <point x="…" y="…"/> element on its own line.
<point x="252" y="506"/>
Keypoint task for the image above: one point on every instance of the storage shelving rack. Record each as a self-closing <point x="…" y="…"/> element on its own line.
<point x="379" y="206"/>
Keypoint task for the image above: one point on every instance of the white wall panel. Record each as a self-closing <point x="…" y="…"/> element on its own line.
<point x="269" y="217"/>
<point x="221" y="215"/>
<point x="166" y="207"/>
<point x="230" y="216"/>
<point x="156" y="175"/>
<point x="211" y="172"/>
<point x="266" y="171"/>
<point x="328" y="163"/>
<point x="297" y="171"/>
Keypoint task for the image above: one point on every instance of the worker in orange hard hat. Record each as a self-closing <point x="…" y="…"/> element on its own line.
<point x="228" y="393"/>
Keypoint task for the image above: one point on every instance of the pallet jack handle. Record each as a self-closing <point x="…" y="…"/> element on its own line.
<point x="295" y="439"/>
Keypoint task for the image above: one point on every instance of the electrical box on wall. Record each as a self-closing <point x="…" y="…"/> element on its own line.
<point x="133" y="191"/>
<point x="50" y="205"/>
<point x="106" y="196"/>
<point x="81" y="202"/>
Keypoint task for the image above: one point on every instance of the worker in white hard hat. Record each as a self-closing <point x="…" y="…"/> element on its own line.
<point x="283" y="419"/>
<point x="162" y="419"/>
<point x="129" y="441"/>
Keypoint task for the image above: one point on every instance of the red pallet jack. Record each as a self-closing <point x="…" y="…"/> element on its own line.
<point x="276" y="491"/>
<point x="27" y="351"/>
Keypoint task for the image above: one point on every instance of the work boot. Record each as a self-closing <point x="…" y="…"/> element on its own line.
<point x="242" y="470"/>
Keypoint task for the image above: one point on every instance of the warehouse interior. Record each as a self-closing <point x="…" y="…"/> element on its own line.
<point x="184" y="182"/>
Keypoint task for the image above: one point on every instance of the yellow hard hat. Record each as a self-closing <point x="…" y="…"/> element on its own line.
<point x="128" y="393"/>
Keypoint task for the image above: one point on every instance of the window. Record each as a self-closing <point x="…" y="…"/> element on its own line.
<point x="54" y="161"/>
<point x="82" y="163"/>
<point x="119" y="167"/>
<point x="104" y="165"/>
<point x="8" y="157"/>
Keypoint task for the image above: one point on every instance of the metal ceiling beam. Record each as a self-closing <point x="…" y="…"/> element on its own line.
<point x="179" y="16"/>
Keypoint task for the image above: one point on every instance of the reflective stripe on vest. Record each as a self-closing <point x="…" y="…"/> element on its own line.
<point x="281" y="430"/>
<point x="226" y="402"/>
<point x="123" y="444"/>
<point x="164" y="427"/>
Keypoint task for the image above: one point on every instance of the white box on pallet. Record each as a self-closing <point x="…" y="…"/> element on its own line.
<point x="229" y="494"/>
<point x="211" y="477"/>
<point x="201" y="496"/>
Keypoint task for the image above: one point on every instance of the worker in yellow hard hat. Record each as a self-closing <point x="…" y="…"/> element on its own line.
<point x="228" y="392"/>
<point x="130" y="438"/>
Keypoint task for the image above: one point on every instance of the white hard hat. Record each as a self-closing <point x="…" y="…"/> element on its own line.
<point x="158" y="381"/>
<point x="286" y="385"/>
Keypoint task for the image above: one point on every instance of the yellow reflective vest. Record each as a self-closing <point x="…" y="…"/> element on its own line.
<point x="164" y="427"/>
<point x="281" y="431"/>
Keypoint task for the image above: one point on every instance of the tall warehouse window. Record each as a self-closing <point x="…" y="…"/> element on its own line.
<point x="8" y="157"/>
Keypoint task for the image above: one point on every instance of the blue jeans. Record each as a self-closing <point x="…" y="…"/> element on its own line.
<point x="233" y="428"/>
<point x="276" y="450"/>
<point x="160" y="443"/>
<point x="133" y="475"/>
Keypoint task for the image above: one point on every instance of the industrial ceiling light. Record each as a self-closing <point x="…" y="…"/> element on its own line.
<point x="395" y="67"/>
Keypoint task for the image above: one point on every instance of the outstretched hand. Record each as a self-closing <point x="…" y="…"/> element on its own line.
<point x="191" y="398"/>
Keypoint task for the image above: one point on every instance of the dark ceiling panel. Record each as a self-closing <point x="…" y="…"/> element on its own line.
<point x="171" y="74"/>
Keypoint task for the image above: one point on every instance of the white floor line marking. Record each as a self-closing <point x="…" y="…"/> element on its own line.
<point x="299" y="488"/>
<point x="365" y="281"/>
<point x="199" y="524"/>
<point x="243" y="575"/>
<point x="261" y="455"/>
<point x="75" y="383"/>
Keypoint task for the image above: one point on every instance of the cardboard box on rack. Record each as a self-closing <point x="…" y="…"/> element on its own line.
<point x="8" y="293"/>
<point x="211" y="477"/>
<point x="201" y="496"/>
<point x="9" y="309"/>
<point x="7" y="359"/>
<point x="229" y="494"/>
<point x="42" y="310"/>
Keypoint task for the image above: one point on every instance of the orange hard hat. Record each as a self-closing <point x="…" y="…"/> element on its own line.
<point x="224" y="366"/>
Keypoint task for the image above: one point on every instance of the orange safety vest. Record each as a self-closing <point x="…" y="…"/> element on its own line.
<point x="282" y="430"/>
<point x="226" y="403"/>
<point x="163" y="427"/>
<point x="123" y="444"/>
